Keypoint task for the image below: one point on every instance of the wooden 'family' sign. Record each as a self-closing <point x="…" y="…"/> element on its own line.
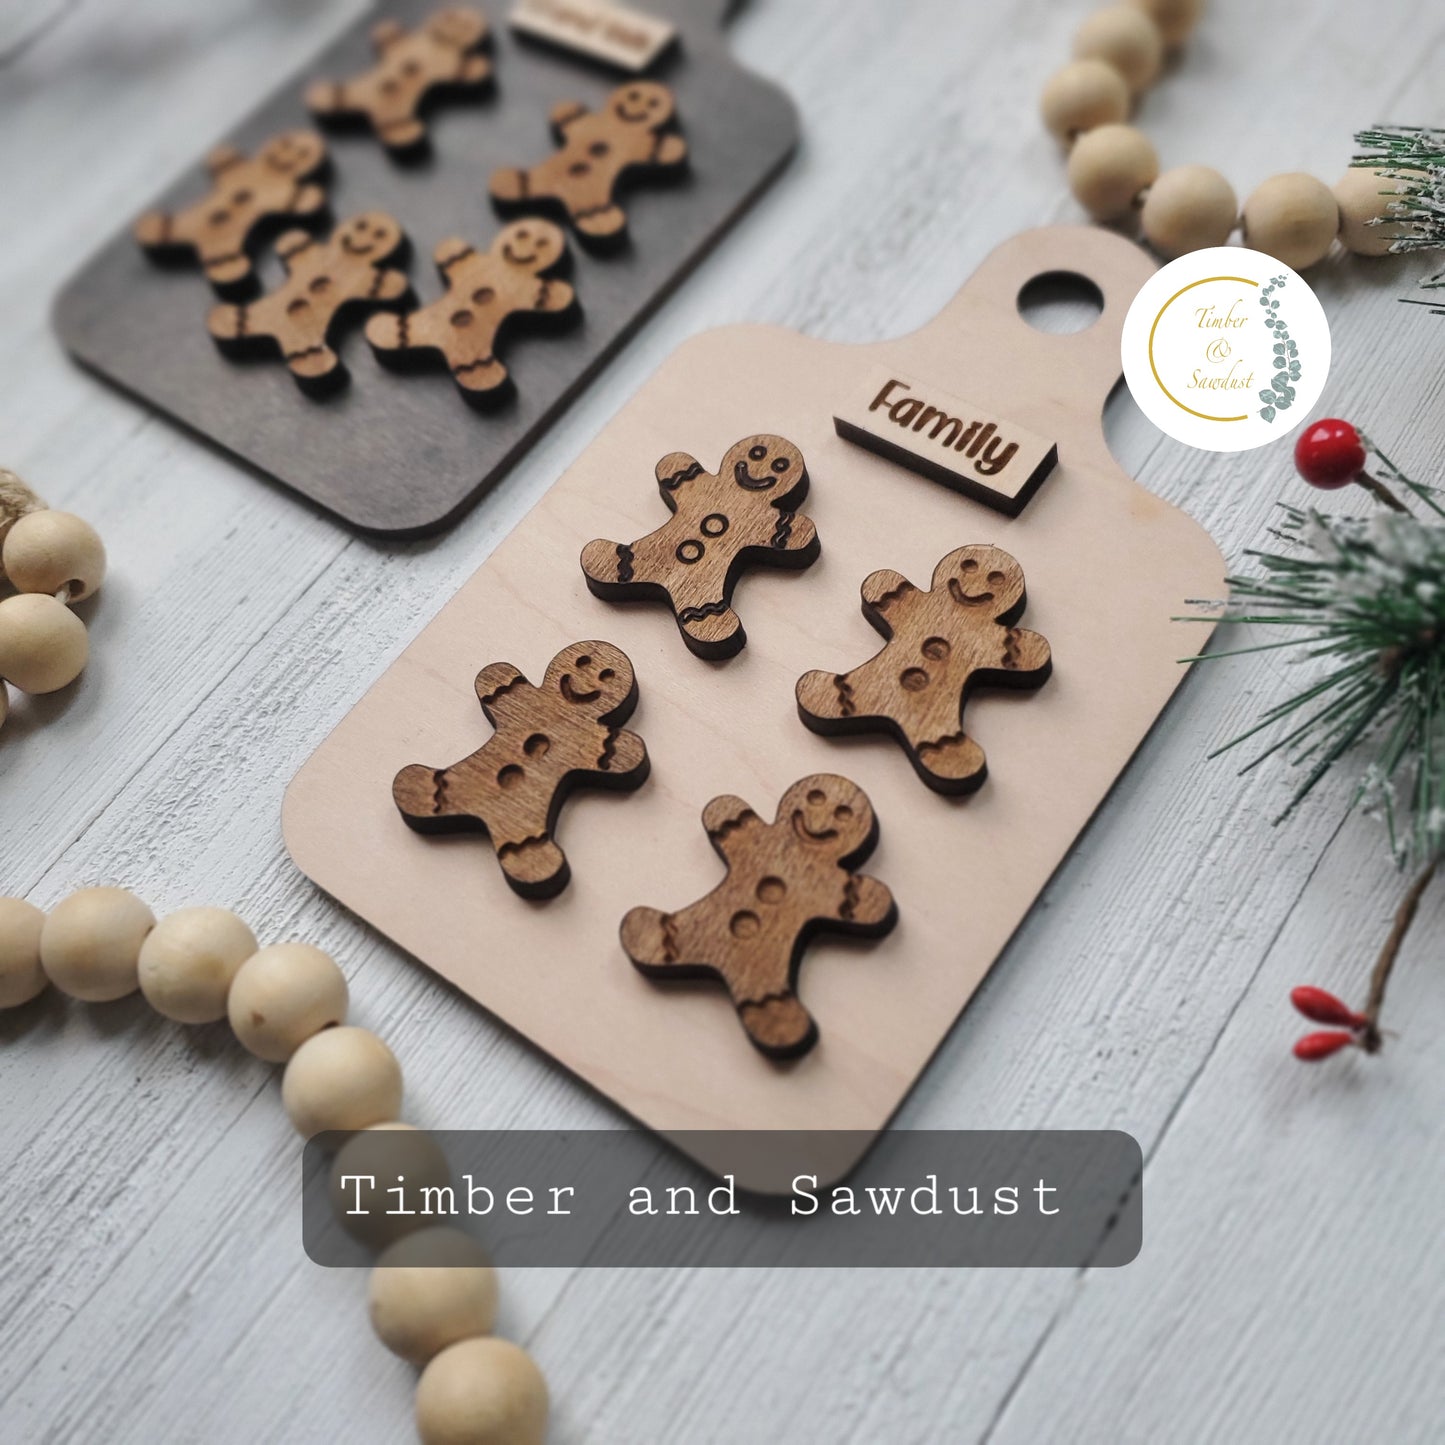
<point x="1093" y="547"/>
<point x="628" y="126"/>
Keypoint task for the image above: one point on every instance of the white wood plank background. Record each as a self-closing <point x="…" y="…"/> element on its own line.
<point x="152" y="1285"/>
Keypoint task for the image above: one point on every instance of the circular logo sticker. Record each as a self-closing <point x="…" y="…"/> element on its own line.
<point x="1226" y="349"/>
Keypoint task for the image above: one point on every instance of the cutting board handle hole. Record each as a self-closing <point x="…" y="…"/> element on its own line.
<point x="1060" y="302"/>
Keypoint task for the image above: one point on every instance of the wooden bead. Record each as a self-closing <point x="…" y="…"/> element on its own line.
<point x="430" y="1290"/>
<point x="1187" y="209"/>
<point x="384" y="1152"/>
<point x="1176" y="19"/>
<point x="21" y="976"/>
<point x="1085" y="93"/>
<point x="481" y="1392"/>
<point x="49" y="551"/>
<point x="281" y="996"/>
<point x="1109" y="167"/>
<point x="1127" y="39"/>
<point x="341" y="1078"/>
<point x="1362" y="194"/>
<point x="1292" y="217"/>
<point x="90" y="945"/>
<point x="43" y="646"/>
<point x="187" y="964"/>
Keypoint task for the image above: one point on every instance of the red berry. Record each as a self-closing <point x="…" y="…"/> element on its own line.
<point x="1329" y="453"/>
<point x="1325" y="1008"/>
<point x="1320" y="1046"/>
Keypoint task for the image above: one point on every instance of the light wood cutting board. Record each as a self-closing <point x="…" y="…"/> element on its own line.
<point x="1107" y="566"/>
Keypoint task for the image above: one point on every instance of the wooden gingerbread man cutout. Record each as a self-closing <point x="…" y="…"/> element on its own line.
<point x="323" y="280"/>
<point x="720" y="525"/>
<point x="485" y="289"/>
<point x="219" y="228"/>
<point x="624" y="140"/>
<point x="786" y="881"/>
<point x="941" y="645"/>
<point x="548" y="740"/>
<point x="411" y="68"/>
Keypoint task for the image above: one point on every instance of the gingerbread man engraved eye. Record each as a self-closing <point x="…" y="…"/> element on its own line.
<point x="817" y="796"/>
<point x="781" y="464"/>
<point x="996" y="579"/>
<point x="757" y="453"/>
<point x="842" y="812"/>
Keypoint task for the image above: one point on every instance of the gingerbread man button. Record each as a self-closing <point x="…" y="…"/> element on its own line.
<point x="548" y="741"/>
<point x="485" y="291"/>
<point x="942" y="644"/>
<point x="245" y="191"/>
<point x="324" y="279"/>
<point x="742" y="516"/>
<point x="786" y="881"/>
<point x="628" y="139"/>
<point x="411" y="68"/>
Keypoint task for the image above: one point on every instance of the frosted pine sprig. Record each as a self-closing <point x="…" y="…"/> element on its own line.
<point x="1414" y="158"/>
<point x="1364" y="600"/>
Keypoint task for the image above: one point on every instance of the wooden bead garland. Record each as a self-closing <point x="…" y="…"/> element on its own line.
<point x="51" y="559"/>
<point x="433" y="1293"/>
<point x="1113" y="171"/>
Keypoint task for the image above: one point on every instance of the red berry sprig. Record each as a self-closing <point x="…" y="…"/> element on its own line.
<point x="1330" y="454"/>
<point x="1324" y="1008"/>
<point x="1314" y="1047"/>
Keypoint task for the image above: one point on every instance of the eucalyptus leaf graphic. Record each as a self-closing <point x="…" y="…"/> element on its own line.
<point x="1281" y="395"/>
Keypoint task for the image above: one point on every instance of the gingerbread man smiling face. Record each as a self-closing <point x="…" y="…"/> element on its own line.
<point x="645" y="103"/>
<point x="983" y="577"/>
<point x="830" y="815"/>
<point x="593" y="677"/>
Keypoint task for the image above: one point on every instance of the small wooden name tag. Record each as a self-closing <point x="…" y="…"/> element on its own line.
<point x="622" y="37"/>
<point x="948" y="439"/>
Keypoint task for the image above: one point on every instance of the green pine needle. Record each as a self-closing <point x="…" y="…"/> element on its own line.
<point x="1365" y="598"/>
<point x="1413" y="159"/>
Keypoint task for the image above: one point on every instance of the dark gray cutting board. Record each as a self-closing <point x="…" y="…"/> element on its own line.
<point x="402" y="453"/>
